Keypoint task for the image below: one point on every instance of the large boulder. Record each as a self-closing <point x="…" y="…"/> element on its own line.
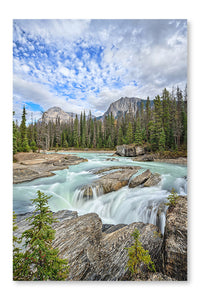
<point x="140" y="179"/>
<point x="130" y="150"/>
<point x="154" y="179"/>
<point x="175" y="241"/>
<point x="96" y="255"/>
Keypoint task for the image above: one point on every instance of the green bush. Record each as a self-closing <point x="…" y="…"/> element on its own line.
<point x="172" y="198"/>
<point x="138" y="256"/>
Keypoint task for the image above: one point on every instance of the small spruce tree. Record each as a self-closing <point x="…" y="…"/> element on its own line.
<point x="138" y="256"/>
<point x="172" y="198"/>
<point x="39" y="260"/>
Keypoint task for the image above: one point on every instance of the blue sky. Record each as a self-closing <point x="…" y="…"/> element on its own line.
<point x="87" y="64"/>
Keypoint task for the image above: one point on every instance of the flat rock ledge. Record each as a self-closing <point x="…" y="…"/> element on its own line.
<point x="31" y="166"/>
<point x="96" y="251"/>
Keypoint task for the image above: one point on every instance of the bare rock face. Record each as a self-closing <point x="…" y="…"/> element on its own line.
<point x="110" y="182"/>
<point x="130" y="150"/>
<point x="139" y="150"/>
<point x="94" y="255"/>
<point x="175" y="241"/>
<point x="140" y="179"/>
<point x="122" y="106"/>
<point x="53" y="113"/>
<point x="154" y="179"/>
<point x="145" y="157"/>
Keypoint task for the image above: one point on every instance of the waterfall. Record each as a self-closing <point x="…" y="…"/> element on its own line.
<point x="86" y="193"/>
<point x="75" y="189"/>
<point x="180" y="185"/>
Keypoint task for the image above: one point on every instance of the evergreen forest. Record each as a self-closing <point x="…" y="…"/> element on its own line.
<point x="160" y="126"/>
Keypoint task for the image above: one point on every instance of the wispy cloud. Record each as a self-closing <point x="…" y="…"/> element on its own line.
<point x="87" y="64"/>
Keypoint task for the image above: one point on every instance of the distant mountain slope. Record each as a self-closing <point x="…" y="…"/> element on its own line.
<point x="117" y="108"/>
<point x="122" y="106"/>
<point x="53" y="113"/>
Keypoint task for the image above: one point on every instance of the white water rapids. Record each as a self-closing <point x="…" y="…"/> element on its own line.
<point x="127" y="205"/>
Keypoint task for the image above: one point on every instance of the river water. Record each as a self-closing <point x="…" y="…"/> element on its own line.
<point x="127" y="205"/>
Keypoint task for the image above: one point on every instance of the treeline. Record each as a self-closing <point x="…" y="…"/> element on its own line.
<point x="161" y="126"/>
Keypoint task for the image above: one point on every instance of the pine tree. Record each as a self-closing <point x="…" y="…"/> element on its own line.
<point x="94" y="142"/>
<point x="18" y="257"/>
<point x="76" y="133"/>
<point x="147" y="118"/>
<point x="156" y="124"/>
<point x="120" y="137"/>
<point x="162" y="138"/>
<point x="81" y="129"/>
<point x="40" y="261"/>
<point x="153" y="135"/>
<point x="138" y="134"/>
<point x="179" y="120"/>
<point x="138" y="255"/>
<point x="84" y="133"/>
<point x="90" y="125"/>
<point x="15" y="148"/>
<point x="33" y="146"/>
<point x="129" y="135"/>
<point x="166" y="116"/>
<point x="23" y="133"/>
<point x="109" y="142"/>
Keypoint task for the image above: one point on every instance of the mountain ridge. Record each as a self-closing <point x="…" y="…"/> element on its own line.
<point x="117" y="108"/>
<point x="122" y="106"/>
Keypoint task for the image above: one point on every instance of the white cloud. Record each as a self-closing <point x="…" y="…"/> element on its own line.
<point x="51" y="30"/>
<point x="152" y="55"/>
<point x="36" y="93"/>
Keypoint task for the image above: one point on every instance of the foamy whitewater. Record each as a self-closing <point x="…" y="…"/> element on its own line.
<point x="125" y="206"/>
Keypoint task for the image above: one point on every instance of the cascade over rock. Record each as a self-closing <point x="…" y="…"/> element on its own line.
<point x="109" y="182"/>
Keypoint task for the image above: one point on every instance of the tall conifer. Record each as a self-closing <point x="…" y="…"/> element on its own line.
<point x="23" y="133"/>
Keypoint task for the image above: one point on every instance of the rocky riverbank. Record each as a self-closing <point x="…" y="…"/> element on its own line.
<point x="151" y="157"/>
<point x="97" y="252"/>
<point x="29" y="166"/>
<point x="140" y="153"/>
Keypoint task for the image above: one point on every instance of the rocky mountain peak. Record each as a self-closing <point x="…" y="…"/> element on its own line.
<point x="122" y="106"/>
<point x="54" y="113"/>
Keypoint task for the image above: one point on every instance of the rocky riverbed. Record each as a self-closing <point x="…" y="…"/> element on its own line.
<point x="118" y="177"/>
<point x="96" y="251"/>
<point x="29" y="166"/>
